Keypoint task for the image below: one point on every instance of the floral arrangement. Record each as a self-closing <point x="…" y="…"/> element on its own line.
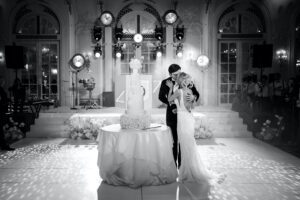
<point x="80" y="128"/>
<point x="85" y="128"/>
<point x="136" y="63"/>
<point x="203" y="128"/>
<point x="271" y="128"/>
<point x="13" y="130"/>
<point x="88" y="83"/>
<point x="135" y="121"/>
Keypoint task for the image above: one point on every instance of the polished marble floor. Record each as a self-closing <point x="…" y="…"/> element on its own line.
<point x="52" y="169"/>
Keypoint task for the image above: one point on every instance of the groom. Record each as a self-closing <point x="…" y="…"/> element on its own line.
<point x="171" y="116"/>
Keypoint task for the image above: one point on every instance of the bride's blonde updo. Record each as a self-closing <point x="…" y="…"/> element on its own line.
<point x="184" y="79"/>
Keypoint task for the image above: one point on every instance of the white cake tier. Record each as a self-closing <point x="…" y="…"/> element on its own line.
<point x="135" y="103"/>
<point x="137" y="121"/>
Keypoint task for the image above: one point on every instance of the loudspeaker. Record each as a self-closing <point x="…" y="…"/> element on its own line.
<point x="262" y="56"/>
<point x="15" y="57"/>
<point x="108" y="99"/>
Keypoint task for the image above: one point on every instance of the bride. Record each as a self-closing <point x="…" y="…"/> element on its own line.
<point x="192" y="168"/>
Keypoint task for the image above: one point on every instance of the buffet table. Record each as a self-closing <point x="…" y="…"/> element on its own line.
<point x="136" y="157"/>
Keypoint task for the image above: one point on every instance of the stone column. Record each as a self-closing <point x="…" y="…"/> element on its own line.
<point x="108" y="60"/>
<point x="169" y="49"/>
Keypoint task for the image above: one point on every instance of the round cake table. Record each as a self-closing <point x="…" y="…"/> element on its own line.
<point x="136" y="157"/>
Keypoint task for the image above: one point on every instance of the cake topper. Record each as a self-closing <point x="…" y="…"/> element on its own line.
<point x="136" y="63"/>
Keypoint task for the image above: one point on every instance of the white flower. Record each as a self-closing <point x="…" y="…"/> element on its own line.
<point x="255" y="120"/>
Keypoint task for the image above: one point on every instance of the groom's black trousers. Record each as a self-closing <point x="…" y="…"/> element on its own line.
<point x="176" y="146"/>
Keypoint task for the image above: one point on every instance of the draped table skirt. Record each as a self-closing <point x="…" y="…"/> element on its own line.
<point x="136" y="157"/>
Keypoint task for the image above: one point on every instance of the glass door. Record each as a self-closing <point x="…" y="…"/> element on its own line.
<point x="49" y="70"/>
<point x="235" y="61"/>
<point x="227" y="71"/>
<point x="41" y="76"/>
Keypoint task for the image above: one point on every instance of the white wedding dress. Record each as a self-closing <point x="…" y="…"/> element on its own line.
<point x="192" y="168"/>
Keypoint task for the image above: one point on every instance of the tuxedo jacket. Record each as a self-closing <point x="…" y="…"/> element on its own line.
<point x="171" y="118"/>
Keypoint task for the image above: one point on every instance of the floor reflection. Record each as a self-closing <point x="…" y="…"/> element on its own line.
<point x="174" y="191"/>
<point x="69" y="172"/>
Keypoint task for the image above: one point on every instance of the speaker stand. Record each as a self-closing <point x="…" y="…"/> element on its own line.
<point x="73" y="92"/>
<point x="261" y="73"/>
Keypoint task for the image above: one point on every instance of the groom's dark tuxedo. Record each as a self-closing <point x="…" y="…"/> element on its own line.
<point x="171" y="117"/>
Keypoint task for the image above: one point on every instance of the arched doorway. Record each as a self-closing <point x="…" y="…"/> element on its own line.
<point x="37" y="28"/>
<point x="240" y="27"/>
<point x="138" y="18"/>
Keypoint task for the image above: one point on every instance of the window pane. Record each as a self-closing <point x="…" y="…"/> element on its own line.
<point x="250" y="25"/>
<point x="28" y="27"/>
<point x="232" y="52"/>
<point x="232" y="88"/>
<point x="48" y="26"/>
<point x="224" y="48"/>
<point x="224" y="98"/>
<point x="229" y="25"/>
<point x="224" y="68"/>
<point x="224" y="88"/>
<point x="224" y="78"/>
<point x="33" y="90"/>
<point x="232" y="78"/>
<point x="224" y="57"/>
<point x="232" y="68"/>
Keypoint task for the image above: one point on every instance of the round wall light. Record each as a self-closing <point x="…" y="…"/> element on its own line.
<point x="138" y="38"/>
<point x="202" y="60"/>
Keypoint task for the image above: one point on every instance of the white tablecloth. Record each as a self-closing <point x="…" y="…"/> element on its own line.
<point x="136" y="157"/>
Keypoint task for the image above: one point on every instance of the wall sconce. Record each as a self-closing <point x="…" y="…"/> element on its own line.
<point x="203" y="62"/>
<point x="281" y="55"/>
<point x="158" y="33"/>
<point x="179" y="33"/>
<point x="1" y="57"/>
<point x="118" y="33"/>
<point x="97" y="51"/>
<point x="179" y="50"/>
<point x="159" y="51"/>
<point x="118" y="50"/>
<point x="97" y="31"/>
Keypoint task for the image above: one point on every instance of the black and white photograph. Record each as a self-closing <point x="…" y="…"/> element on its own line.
<point x="150" y="100"/>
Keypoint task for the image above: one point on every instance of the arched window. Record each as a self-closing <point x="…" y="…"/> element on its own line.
<point x="241" y="20"/>
<point x="139" y="18"/>
<point x="37" y="28"/>
<point x="36" y="21"/>
<point x="240" y="26"/>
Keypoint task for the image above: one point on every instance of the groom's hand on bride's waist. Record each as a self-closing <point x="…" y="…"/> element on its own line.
<point x="190" y="97"/>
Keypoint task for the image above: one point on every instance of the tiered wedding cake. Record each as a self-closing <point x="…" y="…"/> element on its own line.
<point x="135" y="116"/>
